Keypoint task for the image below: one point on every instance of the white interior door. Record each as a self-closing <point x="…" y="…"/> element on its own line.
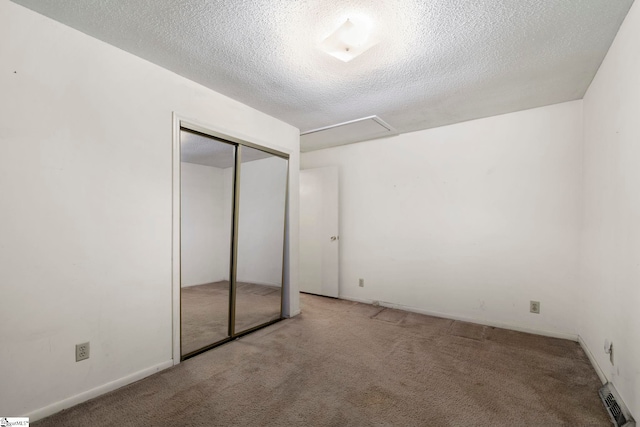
<point x="319" y="240"/>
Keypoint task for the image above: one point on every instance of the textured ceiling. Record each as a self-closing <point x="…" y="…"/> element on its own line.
<point x="438" y="62"/>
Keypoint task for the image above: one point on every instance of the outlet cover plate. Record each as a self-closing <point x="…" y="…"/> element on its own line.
<point x="534" y="307"/>
<point x="82" y="351"/>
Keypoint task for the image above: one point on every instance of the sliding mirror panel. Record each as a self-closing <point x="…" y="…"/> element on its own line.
<point x="261" y="226"/>
<point x="207" y="179"/>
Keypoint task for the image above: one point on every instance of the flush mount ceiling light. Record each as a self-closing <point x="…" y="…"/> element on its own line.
<point x="350" y="40"/>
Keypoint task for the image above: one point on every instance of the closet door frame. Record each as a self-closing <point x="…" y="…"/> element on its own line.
<point x="180" y="123"/>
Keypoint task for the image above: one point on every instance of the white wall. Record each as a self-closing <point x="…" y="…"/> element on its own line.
<point x="610" y="264"/>
<point x="86" y="202"/>
<point x="469" y="221"/>
<point x="206" y="227"/>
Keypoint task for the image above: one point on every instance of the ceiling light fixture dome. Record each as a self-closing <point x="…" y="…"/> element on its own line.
<point x="351" y="39"/>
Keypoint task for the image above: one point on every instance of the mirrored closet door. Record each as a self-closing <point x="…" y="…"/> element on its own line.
<point x="233" y="202"/>
<point x="261" y="221"/>
<point x="206" y="182"/>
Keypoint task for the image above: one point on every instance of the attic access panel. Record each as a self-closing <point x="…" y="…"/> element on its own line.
<point x="358" y="130"/>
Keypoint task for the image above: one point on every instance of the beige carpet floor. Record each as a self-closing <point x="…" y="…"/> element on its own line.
<point x="205" y="311"/>
<point x="341" y="363"/>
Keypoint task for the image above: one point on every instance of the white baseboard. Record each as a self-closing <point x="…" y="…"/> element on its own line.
<point x="552" y="334"/>
<point x="95" y="392"/>
<point x="205" y="283"/>
<point x="294" y="314"/>
<point x="253" y="282"/>
<point x="261" y="283"/>
<point x="594" y="363"/>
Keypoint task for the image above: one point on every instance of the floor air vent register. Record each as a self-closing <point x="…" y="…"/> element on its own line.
<point x="615" y="406"/>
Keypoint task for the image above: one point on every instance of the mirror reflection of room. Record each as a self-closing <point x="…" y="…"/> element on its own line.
<point x="261" y="223"/>
<point x="207" y="214"/>
<point x="207" y="173"/>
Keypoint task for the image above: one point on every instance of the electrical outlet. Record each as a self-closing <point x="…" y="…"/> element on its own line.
<point x="534" y="307"/>
<point x="82" y="351"/>
<point x="361" y="283"/>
